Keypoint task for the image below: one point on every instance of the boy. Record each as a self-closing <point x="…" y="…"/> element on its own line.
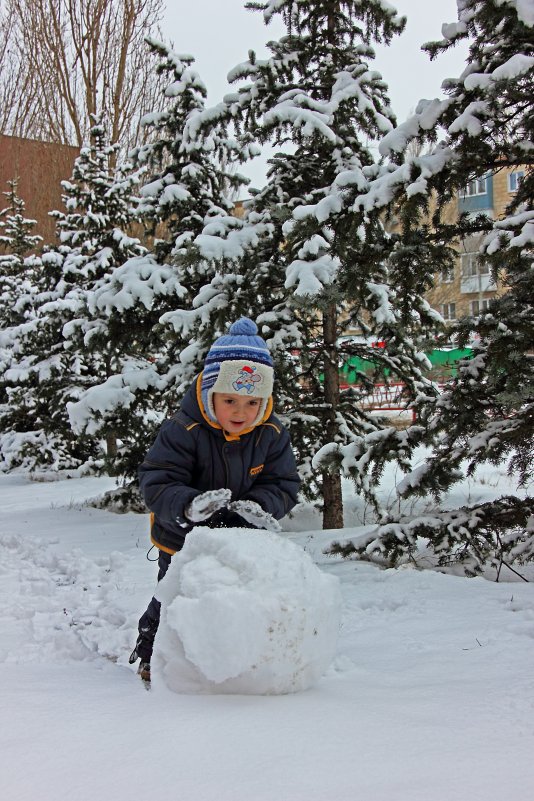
<point x="222" y="461"/>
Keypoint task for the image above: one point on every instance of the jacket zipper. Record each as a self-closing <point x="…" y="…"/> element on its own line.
<point x="226" y="465"/>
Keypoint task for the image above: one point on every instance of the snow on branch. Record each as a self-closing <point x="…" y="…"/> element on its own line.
<point x="383" y="313"/>
<point x="515" y="67"/>
<point x="225" y="237"/>
<point x="321" y="211"/>
<point x="350" y="85"/>
<point x="382" y="190"/>
<point x="140" y="279"/>
<point x="524" y="8"/>
<point x="210" y="299"/>
<point x="427" y="116"/>
<point x="472" y="119"/>
<point x="312" y="276"/>
<point x="514" y="231"/>
<point x="310" y="122"/>
<point x="494" y="533"/>
<point x="119" y="391"/>
<point x="199" y="122"/>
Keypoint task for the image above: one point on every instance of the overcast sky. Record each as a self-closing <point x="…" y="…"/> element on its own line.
<point x="219" y="34"/>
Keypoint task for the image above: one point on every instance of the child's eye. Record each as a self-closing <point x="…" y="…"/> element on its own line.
<point x="254" y="403"/>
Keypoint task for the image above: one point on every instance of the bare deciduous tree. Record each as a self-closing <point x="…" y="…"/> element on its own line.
<point x="65" y="60"/>
<point x="16" y="84"/>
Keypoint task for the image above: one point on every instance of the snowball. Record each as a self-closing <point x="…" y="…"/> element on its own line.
<point x="247" y="612"/>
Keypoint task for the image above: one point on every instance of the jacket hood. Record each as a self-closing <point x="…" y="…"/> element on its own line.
<point x="190" y="405"/>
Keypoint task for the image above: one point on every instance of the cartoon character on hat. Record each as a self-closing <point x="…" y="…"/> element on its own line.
<point x="247" y="378"/>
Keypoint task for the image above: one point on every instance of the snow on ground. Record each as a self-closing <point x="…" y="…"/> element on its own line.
<point x="430" y="696"/>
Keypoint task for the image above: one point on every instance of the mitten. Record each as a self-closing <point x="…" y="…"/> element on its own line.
<point x="206" y="504"/>
<point x="252" y="513"/>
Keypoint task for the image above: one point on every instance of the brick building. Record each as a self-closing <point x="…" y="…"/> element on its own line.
<point x="469" y="287"/>
<point x="39" y="168"/>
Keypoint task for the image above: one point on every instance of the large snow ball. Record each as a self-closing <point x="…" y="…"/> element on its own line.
<point x="244" y="611"/>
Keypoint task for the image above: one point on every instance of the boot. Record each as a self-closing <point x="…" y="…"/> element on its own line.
<point x="144" y="666"/>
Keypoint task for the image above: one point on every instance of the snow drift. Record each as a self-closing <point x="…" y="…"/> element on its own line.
<point x="245" y="612"/>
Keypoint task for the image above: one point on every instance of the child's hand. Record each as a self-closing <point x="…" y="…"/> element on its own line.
<point x="206" y="504"/>
<point x="252" y="513"/>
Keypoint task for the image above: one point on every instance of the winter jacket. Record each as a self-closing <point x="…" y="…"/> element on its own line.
<point x="191" y="454"/>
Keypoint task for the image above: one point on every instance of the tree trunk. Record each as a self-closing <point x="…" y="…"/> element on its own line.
<point x="332" y="498"/>
<point x="111" y="444"/>
<point x="111" y="436"/>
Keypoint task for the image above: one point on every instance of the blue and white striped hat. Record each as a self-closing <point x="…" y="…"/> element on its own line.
<point x="238" y="363"/>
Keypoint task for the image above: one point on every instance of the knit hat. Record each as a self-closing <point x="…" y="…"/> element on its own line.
<point x="238" y="363"/>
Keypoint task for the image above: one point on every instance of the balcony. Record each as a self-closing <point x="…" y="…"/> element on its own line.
<point x="477" y="283"/>
<point x="475" y="277"/>
<point x="477" y="195"/>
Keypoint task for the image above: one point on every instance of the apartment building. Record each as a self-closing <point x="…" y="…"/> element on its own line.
<point x="468" y="287"/>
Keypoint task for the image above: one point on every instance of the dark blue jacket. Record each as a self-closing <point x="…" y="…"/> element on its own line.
<point x="192" y="455"/>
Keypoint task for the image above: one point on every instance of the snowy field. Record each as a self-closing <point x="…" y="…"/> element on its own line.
<point x="430" y="696"/>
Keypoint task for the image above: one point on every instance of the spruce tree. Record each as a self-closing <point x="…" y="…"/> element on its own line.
<point x="17" y="238"/>
<point x="189" y="194"/>
<point x="35" y="433"/>
<point x="17" y="268"/>
<point x="486" y="416"/>
<point x="325" y="268"/>
<point x="19" y="273"/>
<point x="186" y="186"/>
<point x="97" y="229"/>
<point x="67" y="346"/>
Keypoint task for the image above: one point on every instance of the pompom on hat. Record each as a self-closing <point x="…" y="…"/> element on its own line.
<point x="238" y="363"/>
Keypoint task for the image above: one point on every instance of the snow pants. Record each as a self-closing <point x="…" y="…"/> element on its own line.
<point x="149" y="620"/>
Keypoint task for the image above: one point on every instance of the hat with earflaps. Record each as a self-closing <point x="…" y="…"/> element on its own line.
<point x="238" y="363"/>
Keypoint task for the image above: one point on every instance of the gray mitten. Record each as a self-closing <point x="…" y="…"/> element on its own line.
<point x="252" y="513"/>
<point x="206" y="504"/>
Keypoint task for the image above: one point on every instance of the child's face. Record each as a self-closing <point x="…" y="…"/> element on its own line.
<point x="235" y="412"/>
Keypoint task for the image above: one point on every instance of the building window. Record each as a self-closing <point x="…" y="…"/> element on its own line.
<point x="478" y="186"/>
<point x="471" y="266"/>
<point x="447" y="275"/>
<point x="514" y="179"/>
<point x="479" y="307"/>
<point x="448" y="311"/>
